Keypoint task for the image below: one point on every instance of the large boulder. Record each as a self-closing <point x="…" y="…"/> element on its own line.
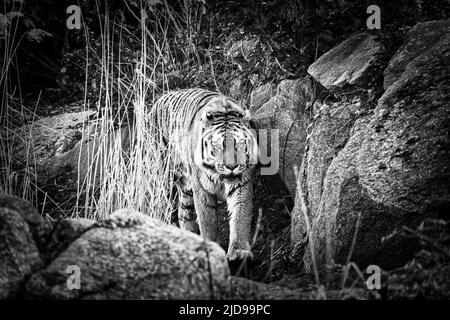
<point x="393" y="171"/>
<point x="46" y="145"/>
<point x="404" y="160"/>
<point x="61" y="152"/>
<point x="39" y="227"/>
<point x="19" y="254"/>
<point x="347" y="211"/>
<point x="329" y="133"/>
<point x="350" y="63"/>
<point x="420" y="39"/>
<point x="287" y="113"/>
<point x="133" y="256"/>
<point x="261" y="95"/>
<point x="65" y="232"/>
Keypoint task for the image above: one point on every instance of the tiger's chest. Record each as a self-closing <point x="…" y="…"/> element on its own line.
<point x="211" y="185"/>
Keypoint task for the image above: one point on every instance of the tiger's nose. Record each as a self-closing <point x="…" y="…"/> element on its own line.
<point x="231" y="166"/>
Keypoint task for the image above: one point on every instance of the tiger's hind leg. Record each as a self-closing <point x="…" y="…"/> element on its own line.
<point x="187" y="218"/>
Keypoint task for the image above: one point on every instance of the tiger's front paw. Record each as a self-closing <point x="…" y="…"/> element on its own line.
<point x="240" y="255"/>
<point x="239" y="252"/>
<point x="240" y="261"/>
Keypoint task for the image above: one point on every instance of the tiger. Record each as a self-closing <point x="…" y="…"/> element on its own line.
<point x="214" y="153"/>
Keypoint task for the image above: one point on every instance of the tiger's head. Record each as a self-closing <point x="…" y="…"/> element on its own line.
<point x="227" y="144"/>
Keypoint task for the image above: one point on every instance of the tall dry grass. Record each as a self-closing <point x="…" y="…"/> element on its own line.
<point x="125" y="165"/>
<point x="12" y="114"/>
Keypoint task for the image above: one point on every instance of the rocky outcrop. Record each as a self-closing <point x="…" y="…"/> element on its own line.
<point x="387" y="168"/>
<point x="285" y="114"/>
<point x="129" y="255"/>
<point x="63" y="234"/>
<point x="61" y="152"/>
<point x="20" y="226"/>
<point x="39" y="228"/>
<point x="350" y="63"/>
<point x="404" y="160"/>
<point x="132" y="256"/>
<point x="261" y="95"/>
<point x="328" y="135"/>
<point x="420" y="39"/>
<point x="47" y="144"/>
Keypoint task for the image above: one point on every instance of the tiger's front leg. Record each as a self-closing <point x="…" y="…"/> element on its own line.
<point x="186" y="210"/>
<point x="206" y="208"/>
<point x="240" y="207"/>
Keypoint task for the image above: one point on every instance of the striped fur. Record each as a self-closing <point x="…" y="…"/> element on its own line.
<point x="214" y="151"/>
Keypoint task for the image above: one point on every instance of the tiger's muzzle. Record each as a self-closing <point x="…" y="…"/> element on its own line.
<point x="231" y="158"/>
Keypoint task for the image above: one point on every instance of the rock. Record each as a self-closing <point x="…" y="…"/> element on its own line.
<point x="404" y="160"/>
<point x="393" y="171"/>
<point x="419" y="40"/>
<point x="350" y="63"/>
<point x="133" y="256"/>
<point x="45" y="143"/>
<point x="19" y="255"/>
<point x="329" y="134"/>
<point x="64" y="151"/>
<point x="64" y="233"/>
<point x="39" y="228"/>
<point x="261" y="95"/>
<point x="285" y="112"/>
<point x="346" y="208"/>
